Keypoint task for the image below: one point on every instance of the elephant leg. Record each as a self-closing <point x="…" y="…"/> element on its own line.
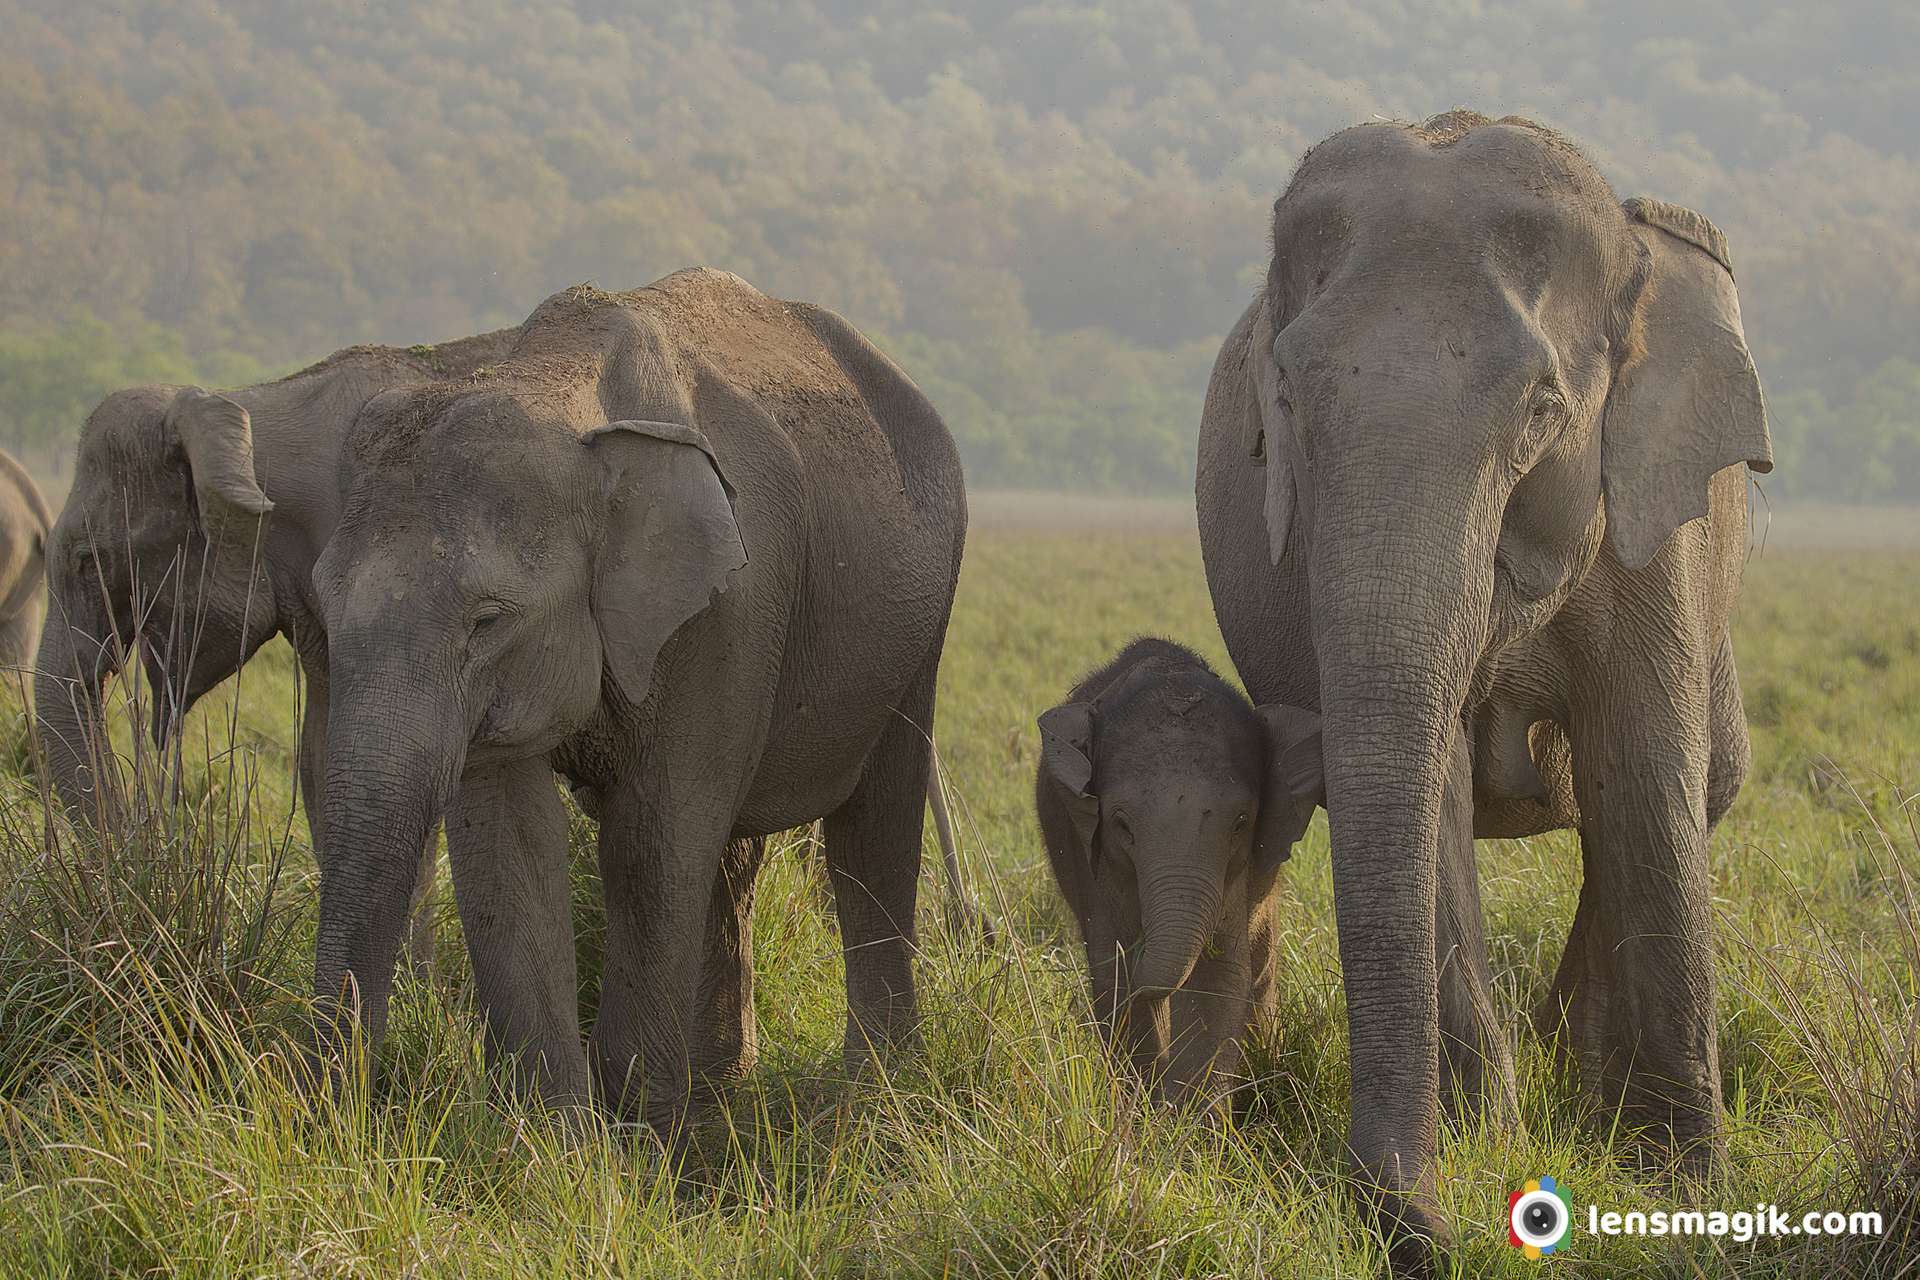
<point x="313" y="765"/>
<point x="873" y="858"/>
<point x="1732" y="753"/>
<point x="507" y="841"/>
<point x="659" y="865"/>
<point x="1643" y="963"/>
<point x="423" y="908"/>
<point x="1476" y="1060"/>
<point x="727" y="1039"/>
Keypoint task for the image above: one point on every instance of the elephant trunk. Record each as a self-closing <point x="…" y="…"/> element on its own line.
<point x="1180" y="910"/>
<point x="70" y="672"/>
<point x="395" y="746"/>
<point x="1401" y="609"/>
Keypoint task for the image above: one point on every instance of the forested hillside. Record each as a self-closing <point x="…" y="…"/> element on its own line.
<point x="1049" y="212"/>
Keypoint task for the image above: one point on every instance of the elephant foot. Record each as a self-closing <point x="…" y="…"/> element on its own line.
<point x="1675" y="1116"/>
<point x="869" y="1052"/>
<point x="715" y="1077"/>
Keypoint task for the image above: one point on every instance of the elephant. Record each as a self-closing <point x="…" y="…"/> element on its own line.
<point x="1471" y="484"/>
<point x="695" y="549"/>
<point x="25" y="520"/>
<point x="1168" y="804"/>
<point x="164" y="541"/>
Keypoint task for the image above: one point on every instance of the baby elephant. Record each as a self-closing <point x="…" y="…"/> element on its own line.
<point x="1168" y="804"/>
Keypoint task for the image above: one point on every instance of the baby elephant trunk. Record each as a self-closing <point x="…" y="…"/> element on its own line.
<point x="1180" y="909"/>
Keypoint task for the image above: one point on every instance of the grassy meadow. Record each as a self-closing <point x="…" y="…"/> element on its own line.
<point x="149" y="995"/>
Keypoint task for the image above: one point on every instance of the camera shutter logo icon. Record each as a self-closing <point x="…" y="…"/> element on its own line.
<point x="1538" y="1217"/>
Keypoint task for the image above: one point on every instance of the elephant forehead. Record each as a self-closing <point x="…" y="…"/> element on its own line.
<point x="1175" y="760"/>
<point x="1472" y="153"/>
<point x="1507" y="200"/>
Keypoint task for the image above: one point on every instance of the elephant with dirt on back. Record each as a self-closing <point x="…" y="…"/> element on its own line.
<point x="694" y="548"/>
<point x="1472" y="484"/>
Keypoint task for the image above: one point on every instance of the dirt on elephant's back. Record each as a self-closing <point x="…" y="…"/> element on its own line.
<point x="764" y="348"/>
<point x="760" y="343"/>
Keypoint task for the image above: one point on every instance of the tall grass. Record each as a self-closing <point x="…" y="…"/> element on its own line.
<point x="151" y="1122"/>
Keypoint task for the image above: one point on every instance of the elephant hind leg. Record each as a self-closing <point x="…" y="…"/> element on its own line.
<point x="873" y="858"/>
<point x="1731" y="753"/>
<point x="1476" y="1060"/>
<point x="726" y="1037"/>
<point x="1575" y="1012"/>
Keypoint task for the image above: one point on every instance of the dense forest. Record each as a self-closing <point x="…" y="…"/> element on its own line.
<point x="1049" y="211"/>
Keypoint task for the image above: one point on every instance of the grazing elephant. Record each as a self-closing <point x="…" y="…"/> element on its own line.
<point x="24" y="522"/>
<point x="162" y="541"/>
<point x="1168" y="803"/>
<point x="695" y="548"/>
<point x="1472" y="484"/>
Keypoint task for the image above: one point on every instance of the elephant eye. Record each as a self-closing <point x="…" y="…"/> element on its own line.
<point x="1547" y="403"/>
<point x="1260" y="447"/>
<point x="1546" y="414"/>
<point x="1240" y="824"/>
<point x="1123" y="826"/>
<point x="486" y="615"/>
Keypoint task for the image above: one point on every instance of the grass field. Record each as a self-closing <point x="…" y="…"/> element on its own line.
<point x="148" y="995"/>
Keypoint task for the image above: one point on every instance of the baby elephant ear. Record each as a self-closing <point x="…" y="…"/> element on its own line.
<point x="1294" y="784"/>
<point x="1066" y="765"/>
<point x="672" y="537"/>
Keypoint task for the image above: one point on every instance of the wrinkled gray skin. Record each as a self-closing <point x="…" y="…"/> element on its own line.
<point x="1472" y="479"/>
<point x="165" y="540"/>
<point x="695" y="548"/>
<point x="1168" y="803"/>
<point x="24" y="523"/>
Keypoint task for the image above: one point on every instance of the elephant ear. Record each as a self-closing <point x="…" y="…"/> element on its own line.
<point x="1690" y="406"/>
<point x="672" y="537"/>
<point x="216" y="434"/>
<point x="1295" y="782"/>
<point x="1271" y="445"/>
<point x="1066" y="763"/>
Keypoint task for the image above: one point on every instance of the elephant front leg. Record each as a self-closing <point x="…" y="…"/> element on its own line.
<point x="659" y="865"/>
<point x="1476" y="1059"/>
<point x="727" y="1043"/>
<point x="507" y="840"/>
<point x="1638" y="982"/>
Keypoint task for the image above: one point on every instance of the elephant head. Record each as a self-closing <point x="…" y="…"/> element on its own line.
<point x="1475" y="372"/>
<point x="495" y="577"/>
<point x="1168" y="804"/>
<point x="158" y="545"/>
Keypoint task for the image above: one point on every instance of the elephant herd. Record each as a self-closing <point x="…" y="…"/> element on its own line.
<point x="1472" y="501"/>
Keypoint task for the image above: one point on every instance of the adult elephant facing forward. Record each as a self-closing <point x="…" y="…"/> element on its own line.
<point x="695" y="548"/>
<point x="1472" y="484"/>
